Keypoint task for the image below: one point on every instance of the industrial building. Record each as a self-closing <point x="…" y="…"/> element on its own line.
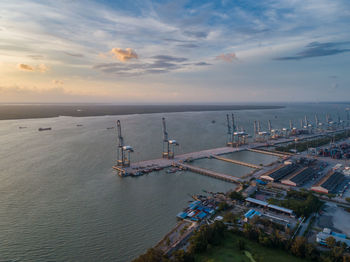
<point x="196" y="211"/>
<point x="268" y="206"/>
<point x="279" y="172"/>
<point x="321" y="237"/>
<point x="300" y="177"/>
<point x="250" y="214"/>
<point x="330" y="183"/>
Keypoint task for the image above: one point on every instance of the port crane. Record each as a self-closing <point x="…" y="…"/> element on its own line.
<point x="260" y="136"/>
<point x="229" y="133"/>
<point x="123" y="153"/>
<point x="238" y="137"/>
<point x="168" y="144"/>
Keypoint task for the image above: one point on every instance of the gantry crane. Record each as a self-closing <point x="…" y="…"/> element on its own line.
<point x="229" y="133"/>
<point x="123" y="153"/>
<point x="168" y="144"/>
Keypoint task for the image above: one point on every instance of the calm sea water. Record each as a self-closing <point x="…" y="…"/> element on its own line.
<point x="60" y="200"/>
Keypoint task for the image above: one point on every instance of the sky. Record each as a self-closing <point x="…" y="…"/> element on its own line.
<point x="140" y="51"/>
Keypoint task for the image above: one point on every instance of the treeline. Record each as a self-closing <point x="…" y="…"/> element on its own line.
<point x="302" y="146"/>
<point x="302" y="203"/>
<point x="208" y="237"/>
<point x="298" y="247"/>
<point x="204" y="238"/>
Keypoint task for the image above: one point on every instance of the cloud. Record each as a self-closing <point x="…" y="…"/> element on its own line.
<point x="229" y="57"/>
<point x="25" y="67"/>
<point x="188" y="45"/>
<point x="124" y="55"/>
<point x="39" y="68"/>
<point x="316" y="49"/>
<point x="57" y="82"/>
<point x="42" y="68"/>
<point x="196" y="34"/>
<point x="74" y="54"/>
<point x="169" y="58"/>
<point x="202" y="64"/>
<point x="154" y="65"/>
<point x="176" y="40"/>
<point x="33" y="94"/>
<point x="36" y="57"/>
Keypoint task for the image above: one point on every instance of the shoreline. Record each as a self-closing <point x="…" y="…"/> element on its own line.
<point x="12" y="112"/>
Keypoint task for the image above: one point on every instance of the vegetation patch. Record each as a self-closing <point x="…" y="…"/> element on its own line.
<point x="302" y="203"/>
<point x="229" y="251"/>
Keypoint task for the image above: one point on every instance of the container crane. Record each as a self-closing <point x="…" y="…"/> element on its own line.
<point x="229" y="133"/>
<point x="123" y="153"/>
<point x="168" y="144"/>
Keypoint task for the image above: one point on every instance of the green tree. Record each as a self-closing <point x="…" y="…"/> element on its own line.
<point x="330" y="241"/>
<point x="337" y="254"/>
<point x="298" y="247"/>
<point x="236" y="196"/>
<point x="182" y="256"/>
<point x="241" y="244"/>
<point x="222" y="206"/>
<point x="152" y="255"/>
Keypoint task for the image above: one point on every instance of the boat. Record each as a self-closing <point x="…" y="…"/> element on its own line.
<point x="112" y="127"/>
<point x="79" y="125"/>
<point x="44" y="128"/>
<point x="213" y="121"/>
<point x="172" y="170"/>
<point x="21" y="127"/>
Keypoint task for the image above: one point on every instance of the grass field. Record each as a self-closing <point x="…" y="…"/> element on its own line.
<point x="228" y="251"/>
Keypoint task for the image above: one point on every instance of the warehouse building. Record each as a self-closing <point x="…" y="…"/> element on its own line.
<point x="300" y="177"/>
<point x="268" y="206"/>
<point x="280" y="172"/>
<point x="321" y="237"/>
<point x="330" y="183"/>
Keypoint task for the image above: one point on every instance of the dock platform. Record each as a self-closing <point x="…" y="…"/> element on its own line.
<point x="164" y="162"/>
<point x="237" y="162"/>
<point x="274" y="153"/>
<point x="210" y="173"/>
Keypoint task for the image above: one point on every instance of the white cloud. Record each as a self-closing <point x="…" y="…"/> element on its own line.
<point x="42" y="68"/>
<point x="124" y="55"/>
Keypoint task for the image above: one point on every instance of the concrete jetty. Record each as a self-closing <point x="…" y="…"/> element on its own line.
<point x="279" y="154"/>
<point x="208" y="172"/>
<point x="164" y="162"/>
<point x="237" y="162"/>
<point x="179" y="160"/>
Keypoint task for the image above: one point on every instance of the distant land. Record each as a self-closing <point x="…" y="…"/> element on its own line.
<point x="25" y="111"/>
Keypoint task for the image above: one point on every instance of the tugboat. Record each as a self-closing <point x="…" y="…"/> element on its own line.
<point x="44" y="128"/>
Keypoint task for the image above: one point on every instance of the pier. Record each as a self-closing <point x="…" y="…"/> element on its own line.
<point x="181" y="161"/>
<point x="165" y="162"/>
<point x="275" y="153"/>
<point x="208" y="172"/>
<point x="237" y="162"/>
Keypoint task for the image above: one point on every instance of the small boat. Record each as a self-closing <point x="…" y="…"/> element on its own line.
<point x="79" y="125"/>
<point x="112" y="127"/>
<point x="44" y="128"/>
<point x="138" y="173"/>
<point x="172" y="170"/>
<point x="22" y="127"/>
<point x="213" y="121"/>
